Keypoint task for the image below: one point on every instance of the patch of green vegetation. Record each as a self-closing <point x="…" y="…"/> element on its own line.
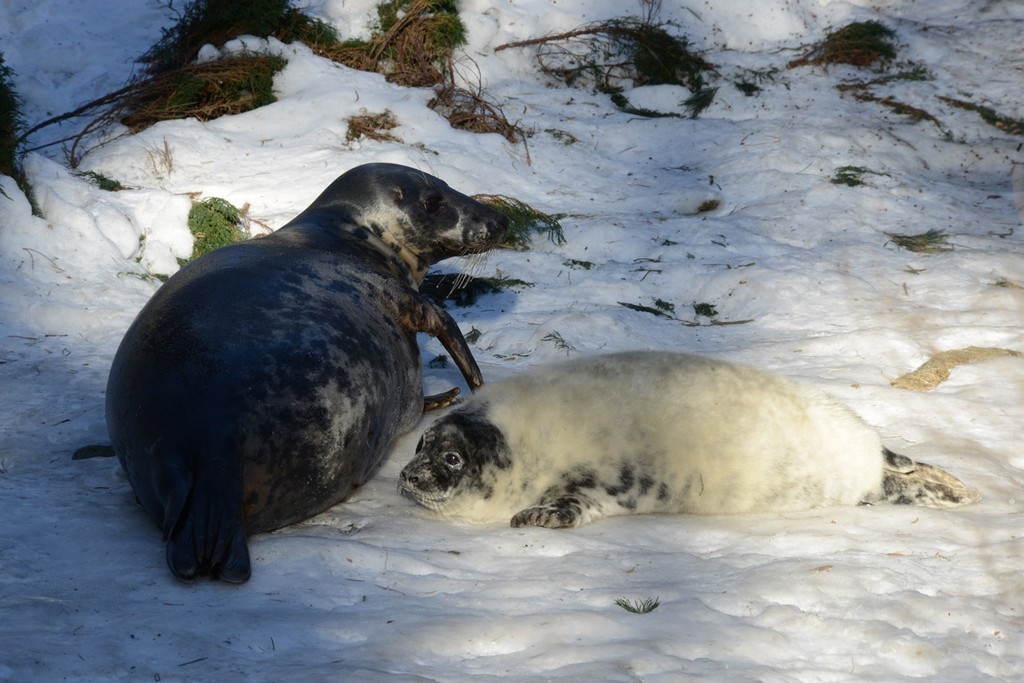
<point x="747" y="88"/>
<point x="912" y="72"/>
<point x="989" y="116"/>
<point x="214" y="223"/>
<point x="438" y="362"/>
<point x="524" y="220"/>
<point x="643" y="606"/>
<point x="862" y="43"/>
<point x="443" y="30"/>
<point x="663" y="305"/>
<point x="706" y="310"/>
<point x="101" y="181"/>
<point x="203" y="91"/>
<point x="214" y="22"/>
<point x="699" y="101"/>
<point x="559" y="341"/>
<point x="851" y="176"/>
<point x="624" y="105"/>
<point x="662" y="311"/>
<point x="316" y="33"/>
<point x="11" y="122"/>
<point x="659" y="57"/>
<point x="576" y="264"/>
<point x="411" y="44"/>
<point x="930" y="242"/>
<point x="610" y="55"/>
<point x="751" y="81"/>
<point x="562" y="136"/>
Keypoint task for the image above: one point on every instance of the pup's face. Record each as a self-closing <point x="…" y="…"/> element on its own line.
<point x="454" y="457"/>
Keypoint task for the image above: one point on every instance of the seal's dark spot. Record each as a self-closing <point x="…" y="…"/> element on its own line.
<point x="626" y="481"/>
<point x="663" y="492"/>
<point x="578" y="479"/>
<point x="483" y="441"/>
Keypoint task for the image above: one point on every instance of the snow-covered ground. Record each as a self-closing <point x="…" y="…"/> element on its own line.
<point x="379" y="589"/>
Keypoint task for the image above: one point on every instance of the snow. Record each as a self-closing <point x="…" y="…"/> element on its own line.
<point x="379" y="589"/>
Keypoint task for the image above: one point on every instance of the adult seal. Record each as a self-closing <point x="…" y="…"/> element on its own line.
<point x="266" y="379"/>
<point x="655" y="432"/>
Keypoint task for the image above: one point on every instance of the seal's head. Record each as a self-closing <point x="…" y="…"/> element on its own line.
<point x="458" y="455"/>
<point x="415" y="214"/>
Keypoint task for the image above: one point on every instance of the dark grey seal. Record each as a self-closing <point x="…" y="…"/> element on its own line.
<point x="266" y="379"/>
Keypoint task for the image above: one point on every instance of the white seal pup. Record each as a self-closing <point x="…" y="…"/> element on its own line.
<point x="650" y="432"/>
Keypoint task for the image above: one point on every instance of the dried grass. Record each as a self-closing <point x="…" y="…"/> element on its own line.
<point x="472" y="111"/>
<point x="372" y="126"/>
<point x="203" y="91"/>
<point x="610" y="54"/>
<point x="989" y="116"/>
<point x="413" y="46"/>
<point x="936" y="369"/>
<point x="862" y="43"/>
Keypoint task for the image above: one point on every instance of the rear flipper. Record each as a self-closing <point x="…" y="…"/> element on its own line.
<point x="438" y="401"/>
<point x="205" y="535"/>
<point x="905" y="482"/>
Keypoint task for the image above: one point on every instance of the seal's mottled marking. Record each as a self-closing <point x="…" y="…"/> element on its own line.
<point x="266" y="379"/>
<point x="657" y="432"/>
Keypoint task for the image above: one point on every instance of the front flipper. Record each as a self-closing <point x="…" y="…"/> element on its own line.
<point x="906" y="482"/>
<point x="416" y="313"/>
<point x="566" y="512"/>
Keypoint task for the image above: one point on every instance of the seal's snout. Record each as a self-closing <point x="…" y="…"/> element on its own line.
<point x="486" y="228"/>
<point x="410" y="479"/>
<point x="497" y="227"/>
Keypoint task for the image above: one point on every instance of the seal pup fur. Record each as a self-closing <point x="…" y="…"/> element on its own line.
<point x="653" y="432"/>
<point x="266" y="379"/>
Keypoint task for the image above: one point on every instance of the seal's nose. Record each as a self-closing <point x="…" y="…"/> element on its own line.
<point x="497" y="226"/>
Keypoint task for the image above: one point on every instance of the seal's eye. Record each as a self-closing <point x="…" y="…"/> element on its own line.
<point x="432" y="204"/>
<point x="452" y="460"/>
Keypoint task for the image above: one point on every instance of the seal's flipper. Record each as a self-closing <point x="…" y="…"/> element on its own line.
<point x="205" y="535"/>
<point x="442" y="400"/>
<point x="566" y="512"/>
<point x="416" y="313"/>
<point x="905" y="482"/>
<point x="448" y="333"/>
<point x="208" y="548"/>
